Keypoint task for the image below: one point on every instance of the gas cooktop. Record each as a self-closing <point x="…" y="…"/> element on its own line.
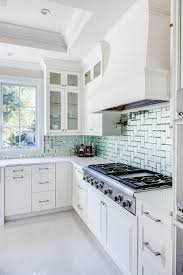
<point x="133" y="177"/>
<point x="120" y="182"/>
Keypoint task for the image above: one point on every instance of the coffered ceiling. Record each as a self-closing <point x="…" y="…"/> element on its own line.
<point x="69" y="29"/>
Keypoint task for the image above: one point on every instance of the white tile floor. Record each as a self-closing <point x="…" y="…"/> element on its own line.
<point x="57" y="244"/>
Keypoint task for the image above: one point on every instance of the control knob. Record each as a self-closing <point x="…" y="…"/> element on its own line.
<point x="118" y="198"/>
<point x="101" y="185"/>
<point x="126" y="204"/>
<point x="108" y="191"/>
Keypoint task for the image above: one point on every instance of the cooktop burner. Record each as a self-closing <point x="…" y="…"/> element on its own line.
<point x="113" y="168"/>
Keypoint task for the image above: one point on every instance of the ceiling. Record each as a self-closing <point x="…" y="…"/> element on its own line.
<point x="27" y="13"/>
<point x="80" y="23"/>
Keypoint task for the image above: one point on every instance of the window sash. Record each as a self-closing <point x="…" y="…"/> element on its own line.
<point x="21" y="83"/>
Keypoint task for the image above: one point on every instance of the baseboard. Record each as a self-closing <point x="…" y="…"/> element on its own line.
<point x="37" y="213"/>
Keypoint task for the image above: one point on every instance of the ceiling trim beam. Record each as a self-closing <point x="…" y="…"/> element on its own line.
<point x="31" y="37"/>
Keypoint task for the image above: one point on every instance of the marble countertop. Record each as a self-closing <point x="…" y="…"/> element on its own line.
<point x="31" y="161"/>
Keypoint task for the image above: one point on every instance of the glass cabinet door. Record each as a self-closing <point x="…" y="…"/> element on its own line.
<point x="55" y="110"/>
<point x="72" y="111"/>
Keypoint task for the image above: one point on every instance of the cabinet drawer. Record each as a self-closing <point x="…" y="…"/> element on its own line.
<point x="43" y="182"/>
<point x="43" y="168"/>
<point x="43" y="201"/>
<point x="17" y="170"/>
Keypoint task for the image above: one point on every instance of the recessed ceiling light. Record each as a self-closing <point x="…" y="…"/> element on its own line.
<point x="45" y="11"/>
<point x="11" y="54"/>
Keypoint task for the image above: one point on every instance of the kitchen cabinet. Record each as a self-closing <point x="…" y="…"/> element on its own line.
<point x="80" y="193"/>
<point x="115" y="228"/>
<point x="63" y="184"/>
<point x="122" y="238"/>
<point x="62" y="78"/>
<point x="17" y="191"/>
<point x="1" y="196"/>
<point x="62" y="106"/>
<point x="63" y="111"/>
<point x="102" y="124"/>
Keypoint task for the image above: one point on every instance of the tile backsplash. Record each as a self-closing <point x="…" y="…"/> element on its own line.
<point x="145" y="142"/>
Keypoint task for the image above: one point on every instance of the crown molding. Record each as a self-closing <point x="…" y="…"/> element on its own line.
<point x="76" y="25"/>
<point x="31" y="37"/>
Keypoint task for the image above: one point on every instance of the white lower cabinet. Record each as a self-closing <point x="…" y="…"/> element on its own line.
<point x="122" y="238"/>
<point x="154" y="241"/>
<point x="17" y="194"/>
<point x="115" y="228"/>
<point x="63" y="184"/>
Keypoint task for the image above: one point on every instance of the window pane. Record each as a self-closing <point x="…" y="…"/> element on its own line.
<point x="10" y="105"/>
<point x="28" y="96"/>
<point x="19" y="116"/>
<point x="27" y="137"/>
<point x="11" y="136"/>
<point x="27" y="117"/>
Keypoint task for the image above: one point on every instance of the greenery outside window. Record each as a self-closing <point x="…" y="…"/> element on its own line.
<point x="19" y="116"/>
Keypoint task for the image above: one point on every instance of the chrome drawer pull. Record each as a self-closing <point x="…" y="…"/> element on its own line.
<point x="147" y="214"/>
<point x="155" y="253"/>
<point x="46" y="182"/>
<point x="21" y="170"/>
<point x="43" y="201"/>
<point x="45" y="168"/>
<point x="21" y="177"/>
<point x="80" y="208"/>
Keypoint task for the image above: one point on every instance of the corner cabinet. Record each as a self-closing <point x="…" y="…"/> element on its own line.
<point x="62" y="111"/>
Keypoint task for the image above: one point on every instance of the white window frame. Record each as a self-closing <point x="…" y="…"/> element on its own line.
<point x="38" y="148"/>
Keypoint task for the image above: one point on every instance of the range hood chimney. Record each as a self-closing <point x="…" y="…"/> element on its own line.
<point x="135" y="59"/>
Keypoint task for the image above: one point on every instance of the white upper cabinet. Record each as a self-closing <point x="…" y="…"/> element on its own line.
<point x="62" y="102"/>
<point x="104" y="124"/>
<point x="135" y="59"/>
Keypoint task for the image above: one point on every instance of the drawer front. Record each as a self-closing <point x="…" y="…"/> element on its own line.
<point x="43" y="168"/>
<point x="43" y="201"/>
<point x="43" y="182"/>
<point x="17" y="170"/>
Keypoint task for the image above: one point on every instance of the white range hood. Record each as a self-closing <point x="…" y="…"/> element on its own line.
<point x="135" y="59"/>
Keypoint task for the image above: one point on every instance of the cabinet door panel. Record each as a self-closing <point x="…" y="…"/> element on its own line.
<point x="17" y="195"/>
<point x="122" y="239"/>
<point x="56" y="110"/>
<point x="63" y="184"/>
<point x="93" y="212"/>
<point x="72" y="110"/>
